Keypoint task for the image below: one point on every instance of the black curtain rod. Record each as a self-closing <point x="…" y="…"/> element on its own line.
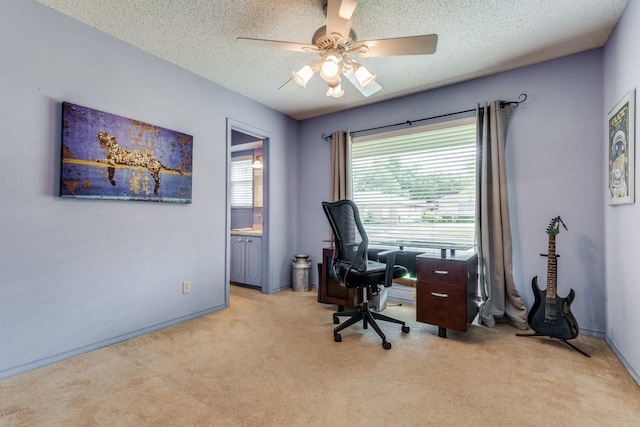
<point x="514" y="104"/>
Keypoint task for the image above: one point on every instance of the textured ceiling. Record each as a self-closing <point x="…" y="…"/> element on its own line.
<point x="476" y="38"/>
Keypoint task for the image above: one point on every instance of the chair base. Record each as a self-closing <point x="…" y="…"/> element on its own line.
<point x="368" y="317"/>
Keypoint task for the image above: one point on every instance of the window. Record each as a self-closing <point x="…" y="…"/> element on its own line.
<point x="242" y="182"/>
<point x="415" y="188"/>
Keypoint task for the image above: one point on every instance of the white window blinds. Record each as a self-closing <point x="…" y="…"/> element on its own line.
<point x="242" y="182"/>
<point x="415" y="188"/>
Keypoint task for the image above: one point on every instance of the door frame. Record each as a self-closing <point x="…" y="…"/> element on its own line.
<point x="238" y="126"/>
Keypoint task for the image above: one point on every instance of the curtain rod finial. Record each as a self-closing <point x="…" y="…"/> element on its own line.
<point x="514" y="104"/>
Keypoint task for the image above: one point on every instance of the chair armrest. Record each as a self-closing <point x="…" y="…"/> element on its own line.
<point x="390" y="259"/>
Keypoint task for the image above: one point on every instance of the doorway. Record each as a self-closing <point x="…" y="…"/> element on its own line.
<point x="247" y="207"/>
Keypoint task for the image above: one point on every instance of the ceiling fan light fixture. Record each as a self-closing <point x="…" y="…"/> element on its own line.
<point x="335" y="92"/>
<point x="336" y="43"/>
<point x="331" y="66"/>
<point x="303" y="75"/>
<point x="335" y="88"/>
<point x="364" y="77"/>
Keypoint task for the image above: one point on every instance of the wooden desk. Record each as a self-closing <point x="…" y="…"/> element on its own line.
<point x="446" y="290"/>
<point x="329" y="289"/>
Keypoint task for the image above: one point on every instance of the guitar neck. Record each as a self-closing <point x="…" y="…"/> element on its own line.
<point x="552" y="265"/>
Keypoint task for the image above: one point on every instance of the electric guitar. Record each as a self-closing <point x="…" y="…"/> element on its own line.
<point x="551" y="315"/>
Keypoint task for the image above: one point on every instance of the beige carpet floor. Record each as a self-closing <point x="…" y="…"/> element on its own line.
<point x="270" y="360"/>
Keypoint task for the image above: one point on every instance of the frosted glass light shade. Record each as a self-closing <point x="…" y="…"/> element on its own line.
<point x="364" y="77"/>
<point x="257" y="163"/>
<point x="303" y="76"/>
<point x="335" y="91"/>
<point x="330" y="68"/>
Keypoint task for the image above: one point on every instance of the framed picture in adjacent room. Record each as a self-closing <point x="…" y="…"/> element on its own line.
<point x="620" y="148"/>
<point x="105" y="156"/>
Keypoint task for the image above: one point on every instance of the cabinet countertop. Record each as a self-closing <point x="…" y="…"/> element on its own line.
<point x="257" y="233"/>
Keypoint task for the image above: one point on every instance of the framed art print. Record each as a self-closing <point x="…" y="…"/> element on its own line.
<point x="105" y="156"/>
<point x="621" y="147"/>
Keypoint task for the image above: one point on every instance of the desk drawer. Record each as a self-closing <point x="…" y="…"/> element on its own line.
<point x="442" y="271"/>
<point x="442" y="304"/>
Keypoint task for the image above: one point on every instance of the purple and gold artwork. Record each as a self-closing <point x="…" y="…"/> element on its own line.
<point x="105" y="156"/>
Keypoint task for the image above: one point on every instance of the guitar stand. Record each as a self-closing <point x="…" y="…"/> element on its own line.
<point x="561" y="339"/>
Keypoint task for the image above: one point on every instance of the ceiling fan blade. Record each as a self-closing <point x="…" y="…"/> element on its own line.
<point x="275" y="44"/>
<point x="340" y="16"/>
<point x="347" y="8"/>
<point x="415" y="45"/>
<point x="367" y="91"/>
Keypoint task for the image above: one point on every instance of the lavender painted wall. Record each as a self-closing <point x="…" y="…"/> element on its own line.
<point x="622" y="227"/>
<point x="555" y="167"/>
<point x="69" y="281"/>
<point x="79" y="274"/>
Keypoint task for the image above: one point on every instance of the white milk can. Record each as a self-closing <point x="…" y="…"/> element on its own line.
<point x="300" y="268"/>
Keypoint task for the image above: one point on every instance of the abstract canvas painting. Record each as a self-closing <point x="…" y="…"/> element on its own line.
<point x="105" y="156"/>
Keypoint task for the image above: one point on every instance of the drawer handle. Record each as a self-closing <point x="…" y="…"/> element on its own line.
<point x="438" y="294"/>
<point x="442" y="272"/>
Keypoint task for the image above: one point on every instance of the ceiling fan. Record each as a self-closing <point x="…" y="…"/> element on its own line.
<point x="336" y="43"/>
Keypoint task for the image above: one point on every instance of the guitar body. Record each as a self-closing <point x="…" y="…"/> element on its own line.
<point x="552" y="317"/>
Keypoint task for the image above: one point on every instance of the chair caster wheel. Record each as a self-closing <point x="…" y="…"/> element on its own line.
<point x="336" y="320"/>
<point x="406" y="329"/>
<point x="337" y="337"/>
<point x="386" y="345"/>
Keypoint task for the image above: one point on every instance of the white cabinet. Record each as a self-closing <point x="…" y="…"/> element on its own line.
<point x="246" y="259"/>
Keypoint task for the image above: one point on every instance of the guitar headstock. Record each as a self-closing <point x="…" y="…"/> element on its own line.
<point x="554" y="226"/>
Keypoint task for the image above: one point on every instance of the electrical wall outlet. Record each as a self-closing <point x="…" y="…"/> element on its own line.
<point x="186" y="287"/>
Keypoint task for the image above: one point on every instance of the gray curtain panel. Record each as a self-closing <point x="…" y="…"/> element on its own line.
<point x="340" y="168"/>
<point x="341" y="165"/>
<point x="500" y="298"/>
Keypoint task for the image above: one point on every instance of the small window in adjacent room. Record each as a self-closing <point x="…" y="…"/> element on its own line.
<point x="242" y="182"/>
<point x="416" y="188"/>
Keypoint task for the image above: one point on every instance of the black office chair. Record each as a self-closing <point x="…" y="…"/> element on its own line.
<point x="351" y="267"/>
